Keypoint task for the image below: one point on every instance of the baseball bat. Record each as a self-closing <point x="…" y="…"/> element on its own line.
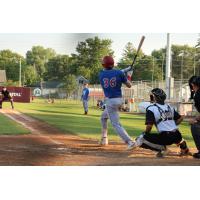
<point x="138" y="49"/>
<point x="135" y="57"/>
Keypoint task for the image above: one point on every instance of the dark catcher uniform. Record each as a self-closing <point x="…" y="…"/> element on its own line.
<point x="194" y="83"/>
<point x="195" y="128"/>
<point x="6" y="97"/>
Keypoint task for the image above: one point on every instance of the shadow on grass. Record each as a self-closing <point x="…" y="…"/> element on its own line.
<point x="68" y="113"/>
<point x="91" y="114"/>
<point x="80" y="124"/>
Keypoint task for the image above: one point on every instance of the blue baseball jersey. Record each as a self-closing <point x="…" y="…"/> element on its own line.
<point x="111" y="82"/>
<point x="85" y="94"/>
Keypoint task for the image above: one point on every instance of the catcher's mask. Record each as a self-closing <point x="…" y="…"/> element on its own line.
<point x="108" y="62"/>
<point x="157" y="95"/>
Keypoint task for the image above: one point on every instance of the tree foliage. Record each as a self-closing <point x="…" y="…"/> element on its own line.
<point x="44" y="64"/>
<point x="182" y="60"/>
<point x="145" y="67"/>
<point x="58" y="67"/>
<point x="10" y="62"/>
<point x="90" y="53"/>
<point x="30" y="76"/>
<point x="38" y="56"/>
<point x="70" y="84"/>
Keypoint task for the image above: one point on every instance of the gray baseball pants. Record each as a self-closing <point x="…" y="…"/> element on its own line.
<point x="85" y="105"/>
<point x="111" y="112"/>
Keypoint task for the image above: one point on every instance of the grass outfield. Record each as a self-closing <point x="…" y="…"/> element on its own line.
<point x="68" y="116"/>
<point x="9" y="127"/>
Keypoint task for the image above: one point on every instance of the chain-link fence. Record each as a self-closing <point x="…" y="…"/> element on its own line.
<point x="180" y="91"/>
<point x="140" y="91"/>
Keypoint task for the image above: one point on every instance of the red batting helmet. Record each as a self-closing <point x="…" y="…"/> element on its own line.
<point x="108" y="62"/>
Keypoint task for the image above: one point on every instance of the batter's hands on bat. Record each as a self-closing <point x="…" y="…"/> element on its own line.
<point x="129" y="68"/>
<point x="129" y="75"/>
<point x="128" y="72"/>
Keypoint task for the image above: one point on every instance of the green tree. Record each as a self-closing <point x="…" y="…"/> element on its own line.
<point x="58" y="67"/>
<point x="160" y="60"/>
<point x="197" y="57"/>
<point x="30" y="76"/>
<point x="89" y="55"/>
<point x="128" y="55"/>
<point x="182" y="60"/>
<point x="9" y="61"/>
<point x="83" y="71"/>
<point x="38" y="57"/>
<point x="70" y="84"/>
<point x="145" y="67"/>
<point x="198" y="43"/>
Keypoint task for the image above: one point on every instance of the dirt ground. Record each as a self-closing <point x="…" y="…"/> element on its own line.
<point x="48" y="146"/>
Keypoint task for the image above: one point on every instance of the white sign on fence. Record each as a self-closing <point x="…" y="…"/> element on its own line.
<point x="37" y="92"/>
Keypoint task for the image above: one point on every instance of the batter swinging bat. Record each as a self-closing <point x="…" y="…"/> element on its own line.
<point x="134" y="59"/>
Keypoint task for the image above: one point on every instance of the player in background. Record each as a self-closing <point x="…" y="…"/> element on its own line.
<point x="85" y="98"/>
<point x="111" y="81"/>
<point x="6" y="97"/>
<point x="194" y="84"/>
<point x="166" y="119"/>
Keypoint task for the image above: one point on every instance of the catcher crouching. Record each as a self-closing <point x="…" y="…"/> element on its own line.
<point x="5" y="96"/>
<point x="166" y="120"/>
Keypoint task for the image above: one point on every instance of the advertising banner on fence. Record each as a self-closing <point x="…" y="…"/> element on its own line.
<point x="19" y="94"/>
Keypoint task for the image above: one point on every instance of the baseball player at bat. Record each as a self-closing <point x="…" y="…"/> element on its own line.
<point x="111" y="81"/>
<point x="166" y="120"/>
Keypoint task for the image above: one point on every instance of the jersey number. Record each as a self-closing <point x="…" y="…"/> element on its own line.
<point x="111" y="82"/>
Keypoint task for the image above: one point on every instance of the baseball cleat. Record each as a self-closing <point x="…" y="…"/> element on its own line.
<point x="185" y="152"/>
<point x="103" y="141"/>
<point x="139" y="140"/>
<point x="133" y="145"/>
<point x="196" y="155"/>
<point x="162" y="153"/>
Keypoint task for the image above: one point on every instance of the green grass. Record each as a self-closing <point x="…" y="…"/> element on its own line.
<point x="68" y="116"/>
<point x="9" y="127"/>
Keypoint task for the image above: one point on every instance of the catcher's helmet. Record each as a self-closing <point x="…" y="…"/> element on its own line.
<point x="158" y="95"/>
<point x="108" y="62"/>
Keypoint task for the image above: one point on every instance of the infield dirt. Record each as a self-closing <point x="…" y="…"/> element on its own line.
<point x="48" y="146"/>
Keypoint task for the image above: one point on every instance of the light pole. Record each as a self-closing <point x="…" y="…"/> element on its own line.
<point x="182" y="56"/>
<point x="194" y="65"/>
<point x="152" y="72"/>
<point x="168" y="66"/>
<point x="181" y="85"/>
<point x="20" y="72"/>
<point x="163" y="59"/>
